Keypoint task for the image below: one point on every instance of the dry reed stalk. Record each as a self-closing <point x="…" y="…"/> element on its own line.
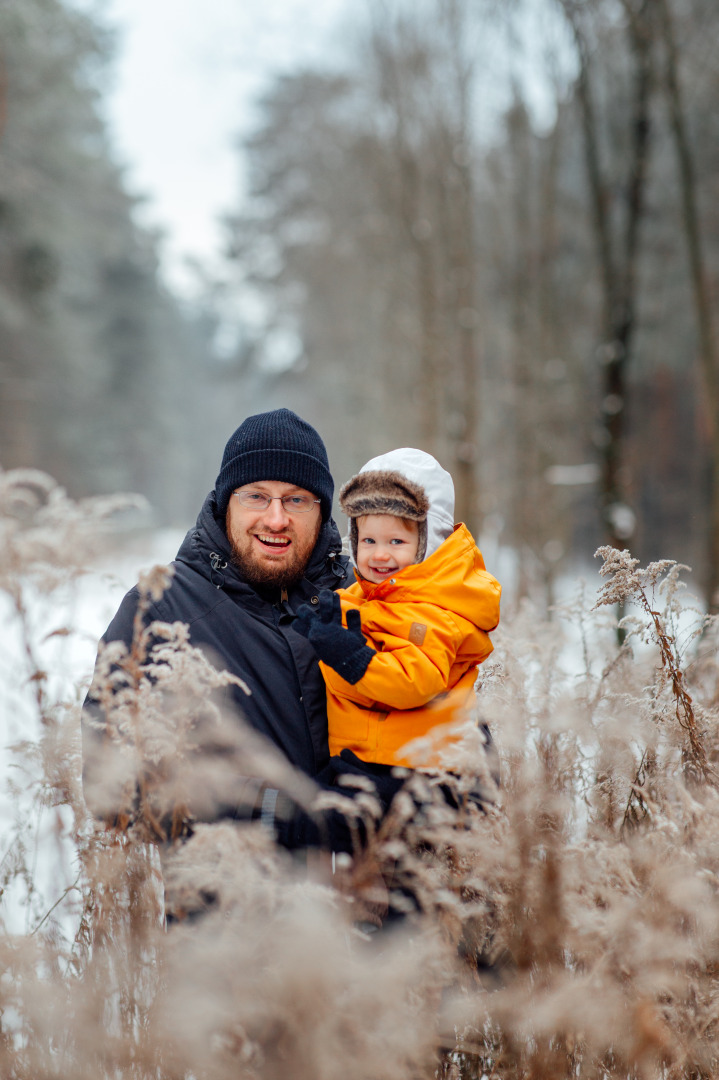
<point x="571" y="929"/>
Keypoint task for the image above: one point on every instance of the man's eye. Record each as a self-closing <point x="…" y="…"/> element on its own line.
<point x="297" y="500"/>
<point x="257" y="497"/>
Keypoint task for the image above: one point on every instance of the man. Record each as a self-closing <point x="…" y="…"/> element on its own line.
<point x="264" y="543"/>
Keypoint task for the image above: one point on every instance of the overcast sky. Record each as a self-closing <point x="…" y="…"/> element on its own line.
<point x="185" y="75"/>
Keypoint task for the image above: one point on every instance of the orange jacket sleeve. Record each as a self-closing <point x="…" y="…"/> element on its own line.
<point x="405" y="675"/>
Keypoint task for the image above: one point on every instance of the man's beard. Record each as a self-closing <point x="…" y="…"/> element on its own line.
<point x="264" y="573"/>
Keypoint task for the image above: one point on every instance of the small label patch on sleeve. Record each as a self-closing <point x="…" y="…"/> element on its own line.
<point x="417" y="633"/>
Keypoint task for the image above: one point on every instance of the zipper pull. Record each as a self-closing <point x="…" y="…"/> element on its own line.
<point x="217" y="563"/>
<point x="337" y="568"/>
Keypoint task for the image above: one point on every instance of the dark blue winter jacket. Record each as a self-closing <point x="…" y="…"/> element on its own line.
<point x="247" y="631"/>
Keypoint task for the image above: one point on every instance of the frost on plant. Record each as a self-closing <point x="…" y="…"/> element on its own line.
<point x="554" y="909"/>
<point x="645" y="588"/>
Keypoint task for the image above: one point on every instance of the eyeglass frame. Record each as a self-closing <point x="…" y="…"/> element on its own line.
<point x="269" y="498"/>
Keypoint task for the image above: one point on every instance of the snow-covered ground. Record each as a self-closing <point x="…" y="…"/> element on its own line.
<point x="64" y="627"/>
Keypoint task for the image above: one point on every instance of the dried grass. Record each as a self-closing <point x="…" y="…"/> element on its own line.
<point x="571" y="929"/>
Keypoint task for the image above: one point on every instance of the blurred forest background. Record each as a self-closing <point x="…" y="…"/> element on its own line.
<point x="489" y="229"/>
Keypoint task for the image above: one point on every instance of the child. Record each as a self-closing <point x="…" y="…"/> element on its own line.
<point x="417" y="619"/>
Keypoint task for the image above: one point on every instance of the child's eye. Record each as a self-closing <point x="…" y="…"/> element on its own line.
<point x="398" y="541"/>
<point x="366" y="540"/>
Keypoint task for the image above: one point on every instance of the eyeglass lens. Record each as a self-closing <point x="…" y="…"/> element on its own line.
<point x="293" y="504"/>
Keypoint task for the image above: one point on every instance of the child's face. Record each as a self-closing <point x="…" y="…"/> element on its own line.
<point x="385" y="544"/>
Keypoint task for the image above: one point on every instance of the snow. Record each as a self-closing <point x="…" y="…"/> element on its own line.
<point x="58" y="636"/>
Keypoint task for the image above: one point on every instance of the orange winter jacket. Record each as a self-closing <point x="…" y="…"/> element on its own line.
<point x="429" y="624"/>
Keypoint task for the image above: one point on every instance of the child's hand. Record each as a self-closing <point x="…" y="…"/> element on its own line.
<point x="344" y="649"/>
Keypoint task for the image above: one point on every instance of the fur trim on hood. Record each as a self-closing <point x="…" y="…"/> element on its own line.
<point x="417" y="470"/>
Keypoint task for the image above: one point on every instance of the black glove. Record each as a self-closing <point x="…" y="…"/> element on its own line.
<point x="344" y="649"/>
<point x="294" y="829"/>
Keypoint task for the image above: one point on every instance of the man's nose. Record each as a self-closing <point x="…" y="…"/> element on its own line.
<point x="275" y="515"/>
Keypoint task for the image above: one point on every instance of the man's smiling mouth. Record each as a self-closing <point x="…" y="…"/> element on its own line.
<point x="273" y="541"/>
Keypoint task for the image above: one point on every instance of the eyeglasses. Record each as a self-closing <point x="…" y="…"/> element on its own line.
<point x="293" y="504"/>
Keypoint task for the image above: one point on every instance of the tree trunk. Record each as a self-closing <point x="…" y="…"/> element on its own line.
<point x="700" y="289"/>
<point x="617" y="260"/>
<point x="3" y="94"/>
<point x="466" y="454"/>
<point x="463" y="263"/>
<point x="418" y="233"/>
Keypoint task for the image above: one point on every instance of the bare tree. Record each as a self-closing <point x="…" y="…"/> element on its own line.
<point x="403" y="181"/>
<point x="708" y="355"/>
<point x="618" y="210"/>
<point x="425" y="74"/>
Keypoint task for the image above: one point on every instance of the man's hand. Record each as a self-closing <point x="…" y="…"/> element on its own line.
<point x="344" y="649"/>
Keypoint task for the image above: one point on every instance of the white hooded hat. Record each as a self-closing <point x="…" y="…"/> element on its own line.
<point x="424" y="470"/>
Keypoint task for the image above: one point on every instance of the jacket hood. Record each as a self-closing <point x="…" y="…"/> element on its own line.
<point x="425" y="471"/>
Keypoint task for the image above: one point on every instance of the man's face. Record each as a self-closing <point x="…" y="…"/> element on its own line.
<point x="272" y="546"/>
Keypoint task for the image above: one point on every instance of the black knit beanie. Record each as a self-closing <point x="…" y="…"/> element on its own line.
<point x="276" y="445"/>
